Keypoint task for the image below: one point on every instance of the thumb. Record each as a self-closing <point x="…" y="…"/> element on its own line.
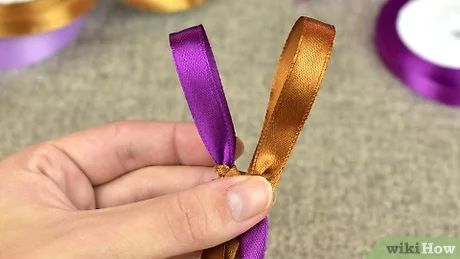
<point x="183" y="222"/>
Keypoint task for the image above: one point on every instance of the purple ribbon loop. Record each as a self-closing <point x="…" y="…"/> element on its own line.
<point x="203" y="90"/>
<point x="199" y="77"/>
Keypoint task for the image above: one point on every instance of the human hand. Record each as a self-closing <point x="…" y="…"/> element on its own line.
<point x="125" y="190"/>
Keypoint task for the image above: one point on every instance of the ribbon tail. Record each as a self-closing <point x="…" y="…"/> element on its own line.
<point x="253" y="243"/>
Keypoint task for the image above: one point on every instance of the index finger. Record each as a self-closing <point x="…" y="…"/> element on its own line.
<point x="107" y="152"/>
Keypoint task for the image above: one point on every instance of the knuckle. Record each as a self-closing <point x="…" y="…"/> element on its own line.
<point x="119" y="127"/>
<point x="189" y="222"/>
<point x="124" y="151"/>
<point x="43" y="157"/>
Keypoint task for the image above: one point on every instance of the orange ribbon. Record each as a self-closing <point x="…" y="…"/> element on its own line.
<point x="165" y="6"/>
<point x="40" y="15"/>
<point x="298" y="76"/>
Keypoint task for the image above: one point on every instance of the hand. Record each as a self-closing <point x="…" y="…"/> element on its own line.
<point x="125" y="190"/>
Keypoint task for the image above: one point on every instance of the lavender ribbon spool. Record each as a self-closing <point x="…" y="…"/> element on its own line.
<point x="16" y="52"/>
<point x="28" y="49"/>
<point x="427" y="69"/>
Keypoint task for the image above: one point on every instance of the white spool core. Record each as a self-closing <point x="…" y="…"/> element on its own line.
<point x="431" y="30"/>
<point x="14" y="1"/>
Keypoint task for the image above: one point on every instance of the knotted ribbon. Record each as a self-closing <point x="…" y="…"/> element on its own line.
<point x="297" y="80"/>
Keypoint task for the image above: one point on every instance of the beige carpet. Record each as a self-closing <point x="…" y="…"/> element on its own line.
<point x="373" y="161"/>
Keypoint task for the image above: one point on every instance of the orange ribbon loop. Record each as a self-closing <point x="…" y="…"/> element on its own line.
<point x="297" y="80"/>
<point x="298" y="76"/>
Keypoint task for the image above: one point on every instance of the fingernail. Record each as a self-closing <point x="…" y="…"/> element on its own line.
<point x="249" y="197"/>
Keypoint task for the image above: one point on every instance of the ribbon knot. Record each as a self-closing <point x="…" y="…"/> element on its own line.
<point x="227" y="171"/>
<point x="297" y="80"/>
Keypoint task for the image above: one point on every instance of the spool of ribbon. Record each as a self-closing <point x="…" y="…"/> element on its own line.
<point x="35" y="30"/>
<point x="165" y="6"/>
<point x="424" y="64"/>
<point x="297" y="80"/>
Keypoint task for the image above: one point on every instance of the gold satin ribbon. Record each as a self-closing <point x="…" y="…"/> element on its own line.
<point x="166" y="6"/>
<point x="40" y="15"/>
<point x="298" y="76"/>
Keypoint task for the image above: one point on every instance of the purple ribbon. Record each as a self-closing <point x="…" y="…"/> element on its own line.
<point x="253" y="243"/>
<point x="424" y="78"/>
<point x="203" y="90"/>
<point x="199" y="77"/>
<point x="21" y="51"/>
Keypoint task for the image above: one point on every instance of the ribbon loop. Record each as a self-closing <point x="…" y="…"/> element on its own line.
<point x="199" y="77"/>
<point x="296" y="83"/>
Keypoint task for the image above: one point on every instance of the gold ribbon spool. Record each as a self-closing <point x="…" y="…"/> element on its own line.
<point x="297" y="80"/>
<point x="39" y="16"/>
<point x="165" y="6"/>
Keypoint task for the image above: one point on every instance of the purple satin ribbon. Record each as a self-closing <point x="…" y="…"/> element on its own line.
<point x="424" y="78"/>
<point x="199" y="77"/>
<point x="25" y="50"/>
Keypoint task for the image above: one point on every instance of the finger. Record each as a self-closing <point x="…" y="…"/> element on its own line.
<point x="150" y="182"/>
<point x="104" y="153"/>
<point x="182" y="222"/>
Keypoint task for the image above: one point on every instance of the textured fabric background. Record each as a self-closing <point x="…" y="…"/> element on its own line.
<point x="374" y="160"/>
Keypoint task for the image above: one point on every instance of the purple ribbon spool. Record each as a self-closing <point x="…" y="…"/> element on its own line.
<point x="16" y="52"/>
<point x="428" y="80"/>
